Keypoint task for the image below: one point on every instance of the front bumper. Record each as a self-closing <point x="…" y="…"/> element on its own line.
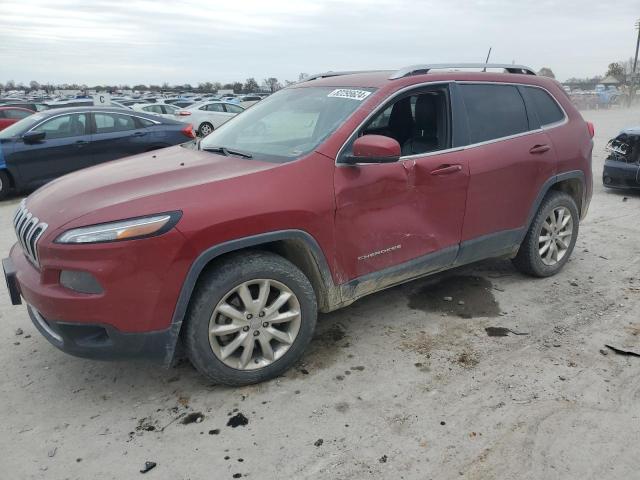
<point x="103" y="342"/>
<point x="130" y="316"/>
<point x="621" y="174"/>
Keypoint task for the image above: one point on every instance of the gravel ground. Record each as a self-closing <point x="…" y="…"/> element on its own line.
<point x="400" y="385"/>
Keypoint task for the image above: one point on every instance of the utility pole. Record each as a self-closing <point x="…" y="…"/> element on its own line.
<point x="632" y="86"/>
<point x="635" y="61"/>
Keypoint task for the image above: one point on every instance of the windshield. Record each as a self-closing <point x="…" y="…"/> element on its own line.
<point x="21" y="126"/>
<point x="287" y="124"/>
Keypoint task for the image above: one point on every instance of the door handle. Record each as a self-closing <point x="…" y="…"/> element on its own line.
<point x="81" y="143"/>
<point x="139" y="134"/>
<point x="446" y="169"/>
<point x="539" y="149"/>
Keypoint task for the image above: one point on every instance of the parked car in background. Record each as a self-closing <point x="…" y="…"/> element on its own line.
<point x="207" y="116"/>
<point x="622" y="165"/>
<point x="162" y="109"/>
<point x="11" y="115"/>
<point x="47" y="145"/>
<point x="227" y="248"/>
<point x="181" y="102"/>
<point x="34" y="107"/>
<point x="249" y="100"/>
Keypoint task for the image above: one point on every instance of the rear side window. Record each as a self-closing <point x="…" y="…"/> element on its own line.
<point x="213" y="107"/>
<point x="494" y="111"/>
<point x="545" y="106"/>
<point x="113" y="122"/>
<point x="233" y="108"/>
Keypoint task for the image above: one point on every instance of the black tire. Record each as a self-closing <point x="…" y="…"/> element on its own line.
<point x="528" y="260"/>
<point x="207" y="125"/>
<point x="5" y="184"/>
<point x="215" y="284"/>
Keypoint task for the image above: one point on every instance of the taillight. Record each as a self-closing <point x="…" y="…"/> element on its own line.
<point x="188" y="131"/>
<point x="184" y="113"/>
<point x="592" y="130"/>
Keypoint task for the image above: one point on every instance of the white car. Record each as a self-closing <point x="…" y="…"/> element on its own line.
<point x="161" y="109"/>
<point x="207" y="116"/>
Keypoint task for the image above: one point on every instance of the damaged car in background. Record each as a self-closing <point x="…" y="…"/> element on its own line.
<point x="622" y="165"/>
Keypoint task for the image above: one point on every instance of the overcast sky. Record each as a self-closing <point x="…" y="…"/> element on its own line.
<point x="132" y="41"/>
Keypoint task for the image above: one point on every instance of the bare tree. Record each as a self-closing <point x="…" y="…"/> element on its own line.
<point x="546" y="72"/>
<point x="272" y="84"/>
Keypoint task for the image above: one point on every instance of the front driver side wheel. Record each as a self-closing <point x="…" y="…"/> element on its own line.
<point x="251" y="318"/>
<point x="551" y="236"/>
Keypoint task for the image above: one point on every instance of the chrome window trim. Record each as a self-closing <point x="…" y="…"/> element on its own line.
<point x="87" y="112"/>
<point x="543" y="128"/>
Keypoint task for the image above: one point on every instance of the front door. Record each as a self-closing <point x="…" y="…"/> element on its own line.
<point x="409" y="212"/>
<point x="64" y="149"/>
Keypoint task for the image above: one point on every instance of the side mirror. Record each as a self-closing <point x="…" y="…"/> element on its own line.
<point x="374" y="149"/>
<point x="33" y="137"/>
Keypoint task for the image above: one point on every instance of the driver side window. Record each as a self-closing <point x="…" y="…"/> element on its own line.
<point x="64" y="126"/>
<point x="418" y="121"/>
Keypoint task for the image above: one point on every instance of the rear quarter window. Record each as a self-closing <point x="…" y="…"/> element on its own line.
<point x="494" y="111"/>
<point x="545" y="106"/>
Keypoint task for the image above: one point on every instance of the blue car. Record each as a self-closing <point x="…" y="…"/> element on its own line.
<point x="52" y="143"/>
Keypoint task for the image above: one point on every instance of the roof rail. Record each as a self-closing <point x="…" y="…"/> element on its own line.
<point x="336" y="74"/>
<point x="421" y="69"/>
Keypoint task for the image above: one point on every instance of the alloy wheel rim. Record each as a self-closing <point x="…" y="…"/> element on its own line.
<point x="206" y="130"/>
<point x="555" y="236"/>
<point x="254" y="324"/>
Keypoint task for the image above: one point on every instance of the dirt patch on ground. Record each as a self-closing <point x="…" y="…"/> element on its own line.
<point x="462" y="296"/>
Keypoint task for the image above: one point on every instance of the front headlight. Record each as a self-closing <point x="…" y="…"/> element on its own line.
<point x="133" y="228"/>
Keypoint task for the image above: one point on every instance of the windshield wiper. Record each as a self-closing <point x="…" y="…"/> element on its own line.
<point x="228" y="151"/>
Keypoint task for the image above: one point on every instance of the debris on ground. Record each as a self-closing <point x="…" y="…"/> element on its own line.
<point x="383" y="459"/>
<point x="52" y="453"/>
<point x="502" y="332"/>
<point x="148" y="466"/>
<point x="19" y="331"/>
<point x="215" y="431"/>
<point x="195" y="417"/>
<point x="238" y="420"/>
<point x="318" y="442"/>
<point x="623" y="351"/>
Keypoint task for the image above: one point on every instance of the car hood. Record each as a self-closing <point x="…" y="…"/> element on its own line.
<point x="143" y="184"/>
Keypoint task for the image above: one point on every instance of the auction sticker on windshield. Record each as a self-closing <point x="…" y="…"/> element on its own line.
<point x="350" y="93"/>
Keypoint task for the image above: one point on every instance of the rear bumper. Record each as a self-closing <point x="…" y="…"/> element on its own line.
<point x="103" y="342"/>
<point x="621" y="174"/>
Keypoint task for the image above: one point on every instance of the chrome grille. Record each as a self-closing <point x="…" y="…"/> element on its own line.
<point x="28" y="229"/>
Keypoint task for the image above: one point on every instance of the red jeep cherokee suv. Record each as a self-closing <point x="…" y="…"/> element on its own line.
<point x="334" y="188"/>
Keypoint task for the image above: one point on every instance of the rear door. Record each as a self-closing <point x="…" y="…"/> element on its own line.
<point x="117" y="135"/>
<point x="510" y="158"/>
<point x="63" y="150"/>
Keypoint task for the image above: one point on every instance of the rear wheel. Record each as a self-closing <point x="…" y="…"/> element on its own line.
<point x="5" y="184"/>
<point x="205" y="129"/>
<point x="551" y="237"/>
<point x="251" y="318"/>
